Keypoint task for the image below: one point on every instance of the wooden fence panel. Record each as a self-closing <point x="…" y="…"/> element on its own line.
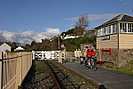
<point x="14" y="67"/>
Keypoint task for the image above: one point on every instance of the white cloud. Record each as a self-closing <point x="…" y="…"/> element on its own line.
<point x="125" y="2"/>
<point x="75" y="18"/>
<point x="28" y="36"/>
<point x="93" y="17"/>
<point x="53" y="31"/>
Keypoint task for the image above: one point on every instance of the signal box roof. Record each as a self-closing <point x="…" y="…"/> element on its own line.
<point x="120" y="17"/>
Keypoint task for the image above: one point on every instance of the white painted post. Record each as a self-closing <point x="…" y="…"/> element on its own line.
<point x="60" y="57"/>
<point x="33" y="52"/>
<point x="0" y="70"/>
<point x="42" y="55"/>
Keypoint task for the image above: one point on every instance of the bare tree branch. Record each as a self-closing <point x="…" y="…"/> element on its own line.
<point x="82" y="22"/>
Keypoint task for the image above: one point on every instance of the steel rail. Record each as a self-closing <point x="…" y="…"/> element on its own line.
<point x="87" y="80"/>
<point x="52" y="74"/>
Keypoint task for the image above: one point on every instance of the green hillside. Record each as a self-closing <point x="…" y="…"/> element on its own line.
<point x="72" y="44"/>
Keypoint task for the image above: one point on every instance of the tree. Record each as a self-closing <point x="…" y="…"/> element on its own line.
<point x="78" y="31"/>
<point x="82" y="21"/>
<point x="69" y="32"/>
<point x="13" y="45"/>
<point x="33" y="43"/>
<point x="81" y="24"/>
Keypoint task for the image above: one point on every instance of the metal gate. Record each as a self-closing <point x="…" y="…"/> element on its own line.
<point x="46" y="55"/>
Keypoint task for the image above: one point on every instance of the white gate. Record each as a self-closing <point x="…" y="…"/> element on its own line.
<point x="45" y="55"/>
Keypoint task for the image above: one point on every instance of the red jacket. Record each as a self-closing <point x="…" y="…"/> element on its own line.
<point x="90" y="53"/>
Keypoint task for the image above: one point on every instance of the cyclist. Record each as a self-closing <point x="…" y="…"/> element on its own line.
<point x="89" y="54"/>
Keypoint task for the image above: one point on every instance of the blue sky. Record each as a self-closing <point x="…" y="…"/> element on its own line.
<point x="44" y="17"/>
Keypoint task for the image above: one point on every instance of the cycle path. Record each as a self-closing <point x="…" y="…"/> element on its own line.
<point x="103" y="76"/>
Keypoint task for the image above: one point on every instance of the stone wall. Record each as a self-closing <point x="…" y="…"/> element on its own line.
<point x="118" y="58"/>
<point x="107" y="57"/>
<point x="125" y="55"/>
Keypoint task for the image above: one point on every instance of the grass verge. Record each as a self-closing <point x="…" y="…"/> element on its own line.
<point x="127" y="69"/>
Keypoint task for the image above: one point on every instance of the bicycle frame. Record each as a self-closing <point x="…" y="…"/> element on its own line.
<point x="91" y="63"/>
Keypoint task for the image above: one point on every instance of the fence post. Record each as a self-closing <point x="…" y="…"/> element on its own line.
<point x="33" y="52"/>
<point x="60" y="57"/>
<point x="20" y="68"/>
<point x="1" y="57"/>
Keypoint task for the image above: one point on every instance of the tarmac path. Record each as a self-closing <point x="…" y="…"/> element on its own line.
<point x="103" y="76"/>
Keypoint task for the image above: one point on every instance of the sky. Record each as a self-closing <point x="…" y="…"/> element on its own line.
<point x="24" y="21"/>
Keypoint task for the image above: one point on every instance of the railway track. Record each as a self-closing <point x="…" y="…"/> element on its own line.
<point x="52" y="75"/>
<point x="38" y="77"/>
<point x="68" y="79"/>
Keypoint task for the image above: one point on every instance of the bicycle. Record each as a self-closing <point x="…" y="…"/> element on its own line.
<point x="91" y="63"/>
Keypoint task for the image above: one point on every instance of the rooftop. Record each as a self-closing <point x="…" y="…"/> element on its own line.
<point x="120" y="17"/>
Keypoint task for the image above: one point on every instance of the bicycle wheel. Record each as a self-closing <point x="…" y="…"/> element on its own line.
<point x="93" y="64"/>
<point x="89" y="64"/>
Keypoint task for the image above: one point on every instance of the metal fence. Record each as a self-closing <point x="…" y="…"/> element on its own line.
<point x="13" y="69"/>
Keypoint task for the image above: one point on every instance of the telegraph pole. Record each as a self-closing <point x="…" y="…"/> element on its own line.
<point x="59" y="45"/>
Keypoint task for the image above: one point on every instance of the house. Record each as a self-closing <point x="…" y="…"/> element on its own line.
<point x="69" y="37"/>
<point x="5" y="48"/>
<point x="19" y="49"/>
<point x="114" y="41"/>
